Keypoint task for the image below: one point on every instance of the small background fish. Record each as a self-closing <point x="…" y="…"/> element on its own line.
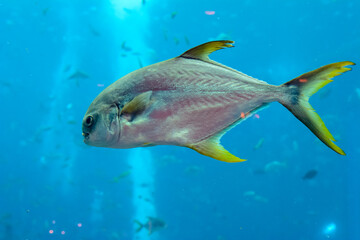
<point x="310" y="174"/>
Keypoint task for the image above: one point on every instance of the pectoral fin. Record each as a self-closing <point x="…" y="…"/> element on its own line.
<point x="211" y="147"/>
<point x="138" y="104"/>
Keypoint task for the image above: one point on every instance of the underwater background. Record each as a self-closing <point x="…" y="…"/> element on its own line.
<point x="57" y="56"/>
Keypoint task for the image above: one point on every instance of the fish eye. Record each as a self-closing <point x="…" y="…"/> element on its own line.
<point x="89" y="121"/>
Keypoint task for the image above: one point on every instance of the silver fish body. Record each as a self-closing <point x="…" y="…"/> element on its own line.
<point x="186" y="101"/>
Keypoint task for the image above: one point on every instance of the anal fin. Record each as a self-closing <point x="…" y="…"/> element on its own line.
<point x="211" y="147"/>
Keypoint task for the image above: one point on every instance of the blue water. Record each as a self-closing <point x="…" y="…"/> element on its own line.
<point x="53" y="186"/>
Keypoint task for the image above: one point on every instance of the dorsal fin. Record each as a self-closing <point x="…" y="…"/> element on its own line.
<point x="203" y="51"/>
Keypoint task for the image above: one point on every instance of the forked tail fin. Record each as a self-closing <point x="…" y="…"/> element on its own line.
<point x="302" y="88"/>
<point x="140" y="226"/>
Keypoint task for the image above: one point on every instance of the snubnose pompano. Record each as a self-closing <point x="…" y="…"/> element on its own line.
<point x="192" y="101"/>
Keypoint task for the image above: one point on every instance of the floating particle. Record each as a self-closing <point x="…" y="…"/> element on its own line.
<point x="358" y="92"/>
<point x="259" y="198"/>
<point x="209" y="13"/>
<point x="249" y="193"/>
<point x="295" y="145"/>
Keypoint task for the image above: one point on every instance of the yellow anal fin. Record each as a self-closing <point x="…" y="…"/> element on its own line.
<point x="148" y="144"/>
<point x="211" y="147"/>
<point x="203" y="51"/>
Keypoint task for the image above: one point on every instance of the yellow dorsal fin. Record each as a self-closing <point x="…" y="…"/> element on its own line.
<point x="203" y="51"/>
<point x="211" y="147"/>
<point x="138" y="104"/>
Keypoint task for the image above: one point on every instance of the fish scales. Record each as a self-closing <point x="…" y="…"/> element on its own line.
<point x="164" y="77"/>
<point x="186" y="112"/>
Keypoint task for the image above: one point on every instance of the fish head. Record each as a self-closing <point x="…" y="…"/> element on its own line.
<point x="101" y="124"/>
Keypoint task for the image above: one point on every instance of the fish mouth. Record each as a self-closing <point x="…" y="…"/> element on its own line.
<point x="86" y="136"/>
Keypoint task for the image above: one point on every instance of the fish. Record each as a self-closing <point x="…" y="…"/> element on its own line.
<point x="259" y="143"/>
<point x="173" y="15"/>
<point x="78" y="75"/>
<point x="125" y="47"/>
<point x="254" y="196"/>
<point x="165" y="34"/>
<point x="220" y="36"/>
<point x="176" y="41"/>
<point x="67" y="68"/>
<point x="274" y="166"/>
<point x="187" y="41"/>
<point x="140" y="62"/>
<point x="94" y="32"/>
<point x="152" y="225"/>
<point x="44" y="11"/>
<point x="310" y="174"/>
<point x="71" y="122"/>
<point x="193" y="170"/>
<point x="192" y="101"/>
<point x="6" y="84"/>
<point x="121" y="176"/>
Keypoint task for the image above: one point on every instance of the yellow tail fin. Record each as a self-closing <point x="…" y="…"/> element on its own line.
<point x="302" y="88"/>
